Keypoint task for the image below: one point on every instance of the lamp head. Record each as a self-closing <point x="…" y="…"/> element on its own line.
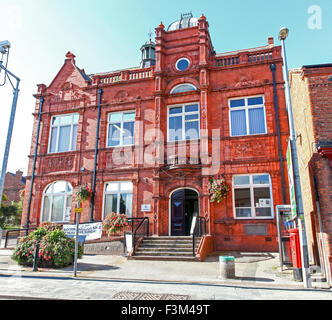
<point x="283" y="33"/>
<point x="4" y="46"/>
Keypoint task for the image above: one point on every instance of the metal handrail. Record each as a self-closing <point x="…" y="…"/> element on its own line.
<point x="199" y="231"/>
<point x="143" y="222"/>
<point x="15" y="230"/>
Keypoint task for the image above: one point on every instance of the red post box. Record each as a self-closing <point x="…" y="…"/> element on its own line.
<point x="296" y="253"/>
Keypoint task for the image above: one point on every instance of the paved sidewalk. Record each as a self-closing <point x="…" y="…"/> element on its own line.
<point x="251" y="269"/>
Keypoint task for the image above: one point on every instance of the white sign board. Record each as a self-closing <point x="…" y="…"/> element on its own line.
<point x="92" y="231"/>
<point x="129" y="242"/>
<point x="145" y="207"/>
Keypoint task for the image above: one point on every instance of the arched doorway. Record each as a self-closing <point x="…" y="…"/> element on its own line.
<point x="184" y="205"/>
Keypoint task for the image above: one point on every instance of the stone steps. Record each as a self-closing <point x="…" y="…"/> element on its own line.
<point x="166" y="248"/>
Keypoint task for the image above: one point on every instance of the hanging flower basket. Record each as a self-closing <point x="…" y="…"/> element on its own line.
<point x="83" y="193"/>
<point x="218" y="189"/>
<point x="114" y="223"/>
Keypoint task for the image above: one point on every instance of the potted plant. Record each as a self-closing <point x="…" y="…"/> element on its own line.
<point x="114" y="223"/>
<point x="218" y="189"/>
<point x="83" y="193"/>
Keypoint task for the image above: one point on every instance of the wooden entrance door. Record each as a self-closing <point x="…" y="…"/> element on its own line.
<point x="177" y="213"/>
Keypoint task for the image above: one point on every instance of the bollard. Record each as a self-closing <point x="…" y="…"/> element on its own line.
<point x="35" y="258"/>
<point x="226" y="267"/>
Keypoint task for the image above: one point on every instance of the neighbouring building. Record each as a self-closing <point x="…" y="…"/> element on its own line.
<point x="311" y="93"/>
<point x="186" y="114"/>
<point x="13" y="186"/>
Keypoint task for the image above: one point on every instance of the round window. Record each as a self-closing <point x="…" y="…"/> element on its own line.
<point x="182" y="64"/>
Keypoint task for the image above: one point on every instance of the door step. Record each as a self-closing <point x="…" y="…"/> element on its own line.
<point x="167" y="248"/>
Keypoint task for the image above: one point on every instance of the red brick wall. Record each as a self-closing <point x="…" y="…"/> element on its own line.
<point x="12" y="186"/>
<point x="149" y="97"/>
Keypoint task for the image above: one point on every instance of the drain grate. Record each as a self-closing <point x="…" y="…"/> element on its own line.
<point x="148" y="296"/>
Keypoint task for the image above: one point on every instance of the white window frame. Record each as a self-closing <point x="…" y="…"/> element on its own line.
<point x="251" y="185"/>
<point x="246" y="107"/>
<point x="118" y="192"/>
<point x="51" y="195"/>
<point x="58" y="132"/>
<point x="182" y="84"/>
<point x="122" y="122"/>
<point x="183" y="114"/>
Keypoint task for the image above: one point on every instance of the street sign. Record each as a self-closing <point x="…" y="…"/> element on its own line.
<point x="291" y="181"/>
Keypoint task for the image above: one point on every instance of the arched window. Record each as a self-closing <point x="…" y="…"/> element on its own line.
<point x="57" y="199"/>
<point x="184" y="87"/>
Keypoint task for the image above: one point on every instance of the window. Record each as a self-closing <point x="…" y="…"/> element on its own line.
<point x="183" y="122"/>
<point x="63" y="133"/>
<point x="252" y="196"/>
<point x="247" y="116"/>
<point x="184" y="87"/>
<point x="121" y="128"/>
<point x="182" y="64"/>
<point x="57" y="198"/>
<point x="118" y="198"/>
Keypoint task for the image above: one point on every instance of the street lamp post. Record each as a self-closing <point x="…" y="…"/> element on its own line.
<point x="4" y="47"/>
<point x="283" y="33"/>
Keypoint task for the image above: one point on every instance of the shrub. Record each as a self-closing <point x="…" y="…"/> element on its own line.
<point x="55" y="250"/>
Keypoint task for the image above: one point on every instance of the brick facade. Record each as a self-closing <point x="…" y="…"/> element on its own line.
<point x="218" y="78"/>
<point x="311" y="92"/>
<point x="14" y="184"/>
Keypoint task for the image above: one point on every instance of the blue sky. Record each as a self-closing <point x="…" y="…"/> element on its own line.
<point x="106" y="35"/>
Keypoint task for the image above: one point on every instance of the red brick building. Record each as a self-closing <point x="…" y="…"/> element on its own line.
<point x="185" y="115"/>
<point x="311" y="91"/>
<point x="14" y="184"/>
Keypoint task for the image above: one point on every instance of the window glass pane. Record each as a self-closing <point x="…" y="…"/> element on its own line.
<point x="126" y="186"/>
<point x="237" y="103"/>
<point x="64" y="138"/>
<point x="182" y="64"/>
<point x="261" y="179"/>
<point x="128" y="133"/>
<point x="126" y="204"/>
<point x="243" y="212"/>
<point x="263" y="203"/>
<point x="238" y="123"/>
<point x="114" y="134"/>
<point x="192" y="127"/>
<point x="175" y="128"/>
<point x="46" y="208"/>
<point x="57" y="208"/>
<point x="129" y="116"/>
<point x="56" y="120"/>
<point x="241" y="180"/>
<point x="256" y="121"/>
<point x="74" y="137"/>
<point x="242" y="198"/>
<point x="68" y="119"/>
<point x="75" y="118"/>
<point x="191" y="108"/>
<point x="112" y="187"/>
<point x="115" y="117"/>
<point x="255" y="101"/>
<point x="59" y="186"/>
<point x="110" y="204"/>
<point x="53" y="139"/>
<point x="68" y="209"/>
<point x="175" y="110"/>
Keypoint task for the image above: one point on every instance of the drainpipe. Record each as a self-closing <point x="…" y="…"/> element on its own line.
<point x="325" y="265"/>
<point x="275" y="101"/>
<point x="41" y="102"/>
<point x="100" y="92"/>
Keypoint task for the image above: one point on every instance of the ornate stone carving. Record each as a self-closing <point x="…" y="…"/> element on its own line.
<point x="55" y="164"/>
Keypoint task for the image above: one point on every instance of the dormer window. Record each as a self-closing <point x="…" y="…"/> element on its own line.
<point x="184" y="87"/>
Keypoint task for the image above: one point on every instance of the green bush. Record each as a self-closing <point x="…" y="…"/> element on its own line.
<point x="55" y="250"/>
